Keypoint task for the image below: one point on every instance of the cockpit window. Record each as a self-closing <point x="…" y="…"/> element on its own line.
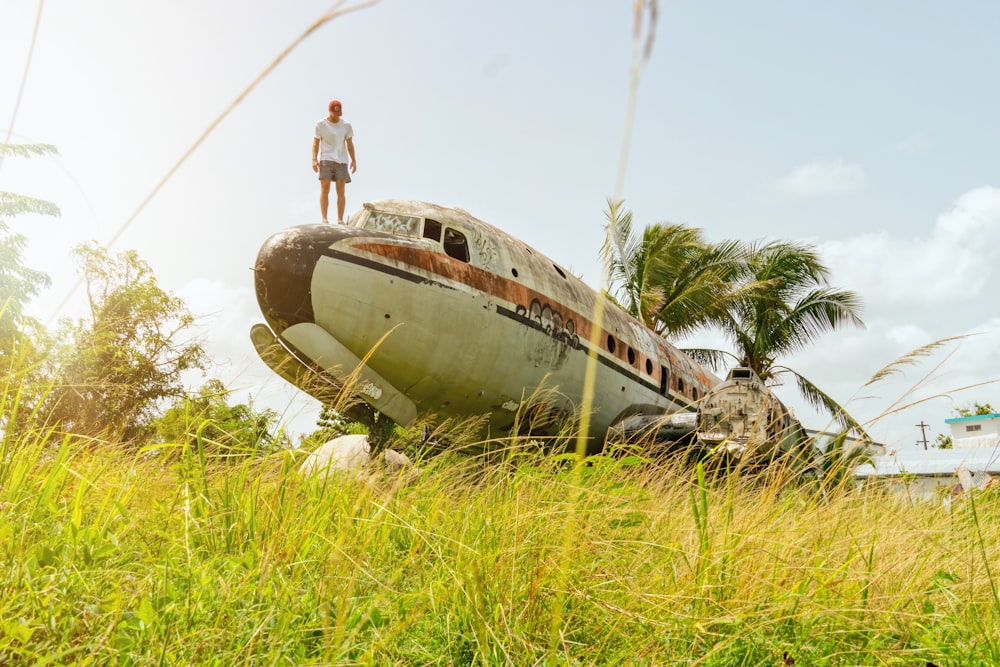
<point x="455" y="244"/>
<point x="432" y="230"/>
<point x="393" y="223"/>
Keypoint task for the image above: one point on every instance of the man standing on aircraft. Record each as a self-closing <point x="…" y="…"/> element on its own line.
<point x="333" y="143"/>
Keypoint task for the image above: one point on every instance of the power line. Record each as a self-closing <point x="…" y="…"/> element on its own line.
<point x="24" y="77"/>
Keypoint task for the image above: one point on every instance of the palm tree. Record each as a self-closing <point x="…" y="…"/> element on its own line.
<point x="670" y="279"/>
<point x="785" y="305"/>
<point x="770" y="299"/>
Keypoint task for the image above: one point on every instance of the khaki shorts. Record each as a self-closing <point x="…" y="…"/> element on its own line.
<point x="334" y="171"/>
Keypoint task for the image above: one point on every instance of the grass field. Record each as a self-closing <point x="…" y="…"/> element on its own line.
<point x="114" y="559"/>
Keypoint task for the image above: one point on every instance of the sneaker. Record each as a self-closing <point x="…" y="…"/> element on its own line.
<point x="340" y="222"/>
<point x="326" y="222"/>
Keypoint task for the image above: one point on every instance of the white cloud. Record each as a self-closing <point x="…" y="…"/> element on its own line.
<point x="907" y="336"/>
<point x="955" y="262"/>
<point x="893" y="272"/>
<point x="820" y="179"/>
<point x="973" y="219"/>
<point x="919" y="289"/>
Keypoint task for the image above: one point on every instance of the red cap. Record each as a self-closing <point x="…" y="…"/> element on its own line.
<point x="335" y="103"/>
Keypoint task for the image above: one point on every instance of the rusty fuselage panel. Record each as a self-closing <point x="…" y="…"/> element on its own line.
<point x="461" y="319"/>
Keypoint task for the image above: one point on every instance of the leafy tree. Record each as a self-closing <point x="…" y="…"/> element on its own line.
<point x="351" y="417"/>
<point x="24" y="342"/>
<point x="19" y="333"/>
<point x="975" y="410"/>
<point x="670" y="279"/>
<point x="236" y="430"/>
<point x="943" y="441"/>
<point x="330" y="424"/>
<point x="128" y="356"/>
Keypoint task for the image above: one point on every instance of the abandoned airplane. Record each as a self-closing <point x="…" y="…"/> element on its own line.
<point x="431" y="313"/>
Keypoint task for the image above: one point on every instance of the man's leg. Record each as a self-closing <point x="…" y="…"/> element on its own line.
<point x="324" y="197"/>
<point x="341" y="200"/>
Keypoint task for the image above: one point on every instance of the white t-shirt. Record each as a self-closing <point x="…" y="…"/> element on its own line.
<point x="333" y="140"/>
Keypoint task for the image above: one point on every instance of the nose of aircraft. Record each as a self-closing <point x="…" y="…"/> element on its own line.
<point x="284" y="270"/>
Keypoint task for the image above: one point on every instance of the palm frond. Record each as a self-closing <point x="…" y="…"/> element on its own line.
<point x="794" y="262"/>
<point x="697" y="278"/>
<point x="714" y="359"/>
<point x="618" y="231"/>
<point x="616" y="253"/>
<point x="823" y="401"/>
<point x="821" y="310"/>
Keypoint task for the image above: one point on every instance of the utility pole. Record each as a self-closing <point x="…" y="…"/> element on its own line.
<point x="923" y="434"/>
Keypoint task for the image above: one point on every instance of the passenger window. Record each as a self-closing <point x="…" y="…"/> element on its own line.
<point x="432" y="230"/>
<point x="455" y="245"/>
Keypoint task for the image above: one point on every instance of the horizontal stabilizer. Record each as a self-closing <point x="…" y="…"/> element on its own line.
<point x="662" y="428"/>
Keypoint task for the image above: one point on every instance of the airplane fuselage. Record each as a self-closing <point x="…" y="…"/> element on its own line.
<point x="440" y="314"/>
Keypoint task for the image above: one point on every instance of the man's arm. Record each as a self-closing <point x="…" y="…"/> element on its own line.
<point x="350" y="151"/>
<point x="316" y="154"/>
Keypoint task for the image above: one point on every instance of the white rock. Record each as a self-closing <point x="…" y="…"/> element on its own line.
<point x="396" y="462"/>
<point x="347" y="453"/>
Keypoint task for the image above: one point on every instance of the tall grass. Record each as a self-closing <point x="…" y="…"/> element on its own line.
<point x="148" y="559"/>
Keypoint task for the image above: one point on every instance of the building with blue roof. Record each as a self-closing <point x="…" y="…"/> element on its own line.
<point x="972" y="463"/>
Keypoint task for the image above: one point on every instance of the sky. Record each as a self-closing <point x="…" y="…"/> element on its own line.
<point x="866" y="129"/>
